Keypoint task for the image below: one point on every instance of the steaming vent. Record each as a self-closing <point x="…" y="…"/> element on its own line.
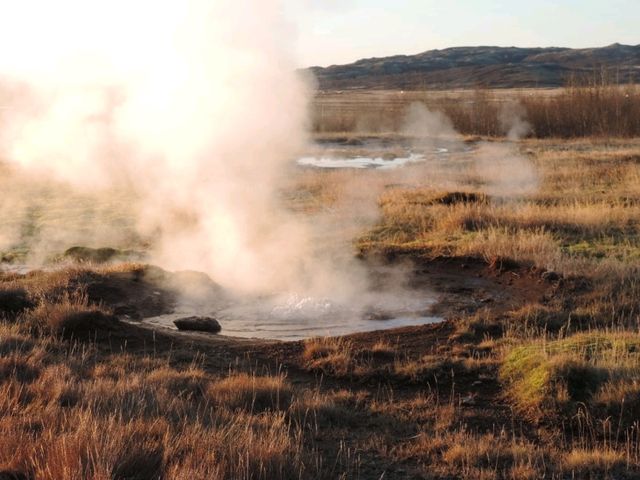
<point x="373" y="154"/>
<point x="294" y="316"/>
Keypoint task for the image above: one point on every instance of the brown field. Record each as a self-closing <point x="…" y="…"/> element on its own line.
<point x="599" y="108"/>
<point x="534" y="374"/>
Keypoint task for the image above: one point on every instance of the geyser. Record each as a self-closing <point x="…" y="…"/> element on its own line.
<point x="193" y="105"/>
<point x="193" y="112"/>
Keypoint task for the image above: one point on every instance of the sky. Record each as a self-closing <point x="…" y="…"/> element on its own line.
<point x="341" y="31"/>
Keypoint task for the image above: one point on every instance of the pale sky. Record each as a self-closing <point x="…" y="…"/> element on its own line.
<point x="334" y="31"/>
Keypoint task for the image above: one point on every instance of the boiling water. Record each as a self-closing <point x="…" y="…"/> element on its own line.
<point x="294" y="317"/>
<point x="361" y="162"/>
<point x="377" y="155"/>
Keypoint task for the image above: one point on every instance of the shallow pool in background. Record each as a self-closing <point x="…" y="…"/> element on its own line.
<point x="360" y="162"/>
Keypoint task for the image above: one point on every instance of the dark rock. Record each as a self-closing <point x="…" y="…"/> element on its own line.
<point x="198" y="324"/>
<point x="153" y="303"/>
<point x="195" y="286"/>
<point x="142" y="292"/>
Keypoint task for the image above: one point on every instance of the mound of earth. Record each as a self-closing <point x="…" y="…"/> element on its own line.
<point x="100" y="255"/>
<point x="147" y="291"/>
<point x="88" y="323"/>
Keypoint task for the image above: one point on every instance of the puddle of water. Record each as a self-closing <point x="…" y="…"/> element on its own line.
<point x="361" y="162"/>
<point x="294" y="317"/>
<point x="341" y="158"/>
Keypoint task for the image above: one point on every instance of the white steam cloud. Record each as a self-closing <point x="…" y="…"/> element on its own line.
<point x="194" y="108"/>
<point x="194" y="104"/>
<point x="423" y="124"/>
<point x="503" y="170"/>
<point x="512" y="119"/>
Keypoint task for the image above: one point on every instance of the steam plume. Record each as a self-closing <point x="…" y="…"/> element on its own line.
<point x="193" y="104"/>
<point x="512" y="118"/>
<point x="502" y="168"/>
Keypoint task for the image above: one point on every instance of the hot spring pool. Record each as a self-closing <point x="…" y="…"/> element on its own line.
<point x="360" y="162"/>
<point x="296" y="317"/>
<point x="376" y="156"/>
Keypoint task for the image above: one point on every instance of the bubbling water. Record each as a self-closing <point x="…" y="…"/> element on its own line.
<point x="295" y="316"/>
<point x="360" y="162"/>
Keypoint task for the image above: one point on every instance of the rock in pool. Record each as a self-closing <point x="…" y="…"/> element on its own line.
<point x="198" y="324"/>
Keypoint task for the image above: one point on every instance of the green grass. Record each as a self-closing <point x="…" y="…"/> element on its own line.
<point x="547" y="378"/>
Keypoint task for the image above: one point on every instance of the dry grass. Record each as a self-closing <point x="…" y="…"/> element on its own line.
<point x="70" y="410"/>
<point x="338" y="357"/>
<point x="581" y="225"/>
<point x="595" y="462"/>
<point x="582" y="218"/>
<point x="252" y="393"/>
<point x="383" y="350"/>
<point x="71" y="415"/>
<point x="587" y="107"/>
<point x="564" y="405"/>
<point x="329" y="355"/>
<point x="71" y="316"/>
<point x="464" y="454"/>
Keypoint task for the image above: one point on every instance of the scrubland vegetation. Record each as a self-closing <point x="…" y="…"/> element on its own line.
<point x="74" y="407"/>
<point x="566" y="362"/>
<point x="596" y="106"/>
<point x="546" y="385"/>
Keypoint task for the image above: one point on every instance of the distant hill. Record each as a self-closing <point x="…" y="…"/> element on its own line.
<point x="469" y="67"/>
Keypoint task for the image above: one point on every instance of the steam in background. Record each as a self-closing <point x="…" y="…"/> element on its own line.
<point x="505" y="170"/>
<point x="502" y="168"/>
<point x="513" y="122"/>
<point x="425" y="126"/>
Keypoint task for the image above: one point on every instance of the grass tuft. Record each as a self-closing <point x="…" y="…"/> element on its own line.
<point x="252" y="393"/>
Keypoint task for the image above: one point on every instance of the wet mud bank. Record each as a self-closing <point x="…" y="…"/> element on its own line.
<point x="436" y="291"/>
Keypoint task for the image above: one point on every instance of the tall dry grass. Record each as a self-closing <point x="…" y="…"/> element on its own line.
<point x="74" y="406"/>
<point x="594" y="106"/>
<point x="68" y="413"/>
<point x="71" y="408"/>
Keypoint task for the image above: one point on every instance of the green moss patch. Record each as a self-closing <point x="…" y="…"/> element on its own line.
<point x="551" y="378"/>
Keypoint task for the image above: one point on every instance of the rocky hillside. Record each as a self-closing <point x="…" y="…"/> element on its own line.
<point x="469" y="67"/>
